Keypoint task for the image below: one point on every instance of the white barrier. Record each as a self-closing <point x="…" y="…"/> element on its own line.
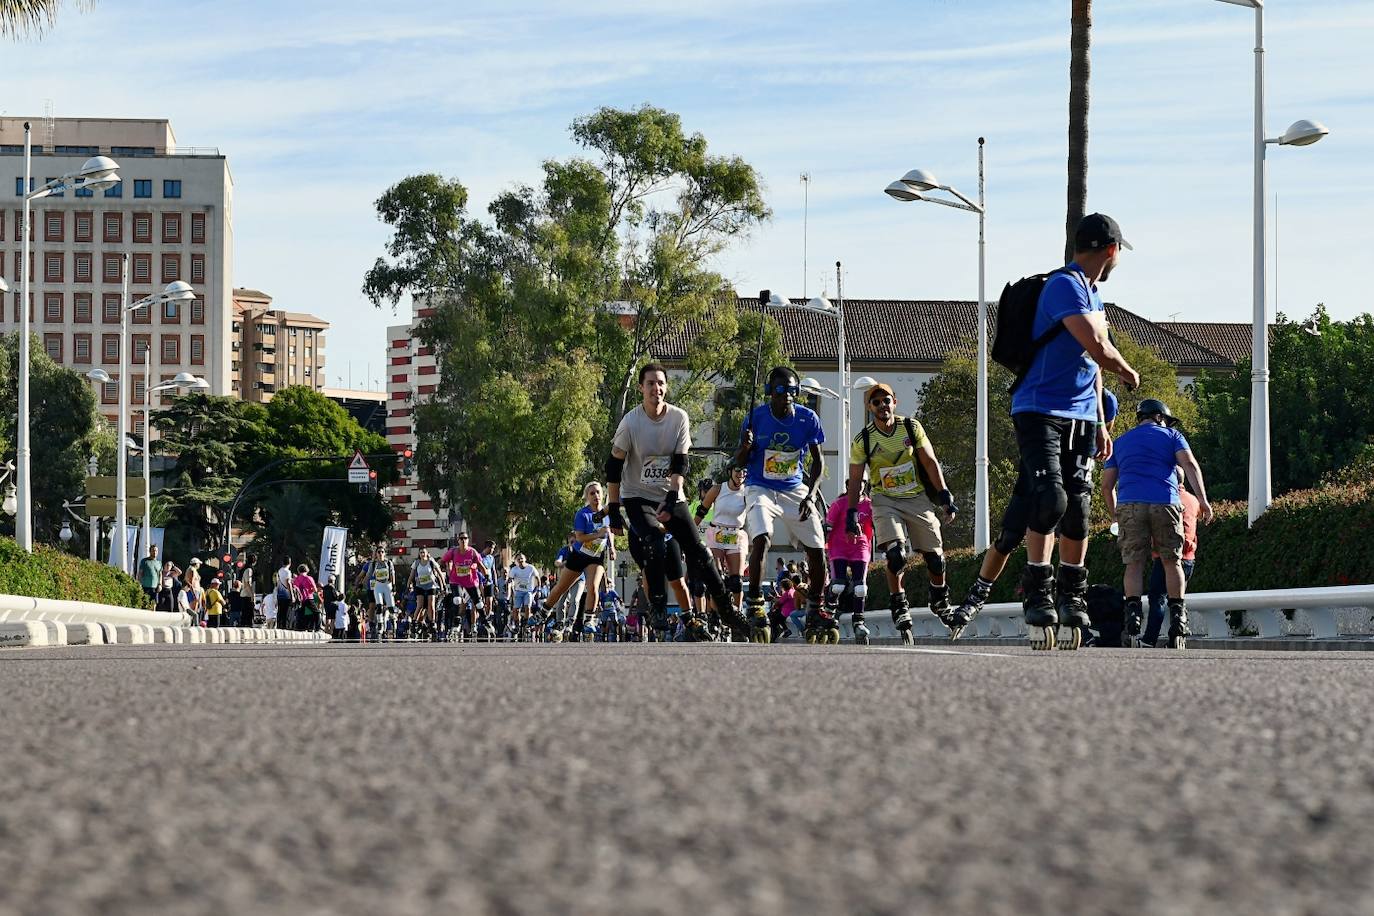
<point x="1266" y="607"/>
<point x="18" y="607"/>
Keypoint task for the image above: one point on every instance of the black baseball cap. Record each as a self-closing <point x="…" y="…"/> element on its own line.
<point x="1098" y="230"/>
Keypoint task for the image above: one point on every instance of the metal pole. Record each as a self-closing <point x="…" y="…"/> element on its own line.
<point x="1259" y="373"/>
<point x="93" y="522"/>
<point x="842" y="478"/>
<point x="23" y="528"/>
<point x="121" y="532"/>
<point x="981" y="522"/>
<point x="147" y="453"/>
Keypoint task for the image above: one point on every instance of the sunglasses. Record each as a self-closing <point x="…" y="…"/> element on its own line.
<point x="881" y="399"/>
<point x="785" y="389"/>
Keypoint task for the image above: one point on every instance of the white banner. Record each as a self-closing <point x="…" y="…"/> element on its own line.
<point x="332" y="554"/>
<point x="130" y="544"/>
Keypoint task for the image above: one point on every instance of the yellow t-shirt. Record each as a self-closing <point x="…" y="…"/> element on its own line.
<point x="213" y="602"/>
<point x="892" y="460"/>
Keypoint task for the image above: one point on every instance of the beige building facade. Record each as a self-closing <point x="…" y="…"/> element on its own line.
<point x="172" y="217"/>
<point x="274" y="348"/>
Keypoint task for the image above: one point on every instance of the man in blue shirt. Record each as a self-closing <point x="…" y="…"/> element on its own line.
<point x="1060" y="428"/>
<point x="1139" y="489"/>
<point x="777" y="438"/>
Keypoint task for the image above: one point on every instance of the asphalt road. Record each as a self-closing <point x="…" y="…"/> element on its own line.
<point x="671" y="779"/>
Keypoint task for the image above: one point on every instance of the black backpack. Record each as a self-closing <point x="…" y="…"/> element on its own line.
<point x="1107" y="610"/>
<point x="1012" y="344"/>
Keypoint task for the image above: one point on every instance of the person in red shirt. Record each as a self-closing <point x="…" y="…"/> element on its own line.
<point x="1157" y="591"/>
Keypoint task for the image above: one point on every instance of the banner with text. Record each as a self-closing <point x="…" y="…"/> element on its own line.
<point x="332" y="554"/>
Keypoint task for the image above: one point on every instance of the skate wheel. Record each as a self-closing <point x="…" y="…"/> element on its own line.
<point x="907" y="638"/>
<point x="1178" y="642"/>
<point x="861" y="641"/>
<point x="1070" y="638"/>
<point x="1041" y="638"/>
<point x="832" y="637"/>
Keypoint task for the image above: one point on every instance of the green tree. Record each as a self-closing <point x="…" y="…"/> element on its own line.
<point x="65" y="430"/>
<point x="289" y="522"/>
<point x="523" y="325"/>
<point x="948" y="408"/>
<point x="1321" y="406"/>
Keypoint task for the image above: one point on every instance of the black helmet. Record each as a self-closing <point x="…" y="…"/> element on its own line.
<point x="1151" y="406"/>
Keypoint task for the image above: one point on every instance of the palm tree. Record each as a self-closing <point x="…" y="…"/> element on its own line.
<point x="290" y="522"/>
<point x="20" y="18"/>
<point x="1080" y="70"/>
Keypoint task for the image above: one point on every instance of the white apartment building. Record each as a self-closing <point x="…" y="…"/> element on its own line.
<point x="412" y="377"/>
<point x="172" y="215"/>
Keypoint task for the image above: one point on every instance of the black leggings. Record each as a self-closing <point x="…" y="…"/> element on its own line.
<point x="642" y="516"/>
<point x="1054" y="485"/>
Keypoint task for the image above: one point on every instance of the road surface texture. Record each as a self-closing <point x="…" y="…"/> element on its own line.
<point x="501" y="779"/>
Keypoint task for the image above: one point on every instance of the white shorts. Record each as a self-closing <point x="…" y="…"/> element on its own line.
<point x="523" y="599"/>
<point x="777" y="514"/>
<point x="381" y="594"/>
<point x="726" y="538"/>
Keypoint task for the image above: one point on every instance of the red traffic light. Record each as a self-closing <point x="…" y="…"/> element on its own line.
<point x="408" y="453"/>
<point x="227" y="558"/>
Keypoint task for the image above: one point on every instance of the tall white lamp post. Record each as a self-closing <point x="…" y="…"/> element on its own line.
<point x="915" y="186"/>
<point x="96" y="173"/>
<point x="1300" y="133"/>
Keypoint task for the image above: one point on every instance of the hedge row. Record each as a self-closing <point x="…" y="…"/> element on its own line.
<point x="1307" y="538"/>
<point x="51" y="573"/>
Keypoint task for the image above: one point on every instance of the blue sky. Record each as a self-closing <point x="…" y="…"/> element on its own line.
<point x="320" y="107"/>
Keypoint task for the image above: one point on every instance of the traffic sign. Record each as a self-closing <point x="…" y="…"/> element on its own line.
<point x="106" y="486"/>
<point x="357" y="468"/>
<point x="104" y="506"/>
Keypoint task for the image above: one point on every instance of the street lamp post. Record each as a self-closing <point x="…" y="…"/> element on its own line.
<point x="182" y="380"/>
<point x="914" y="186"/>
<point x="1300" y="133"/>
<point x="97" y="172"/>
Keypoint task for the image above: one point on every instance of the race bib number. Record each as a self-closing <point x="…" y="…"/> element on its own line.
<point x="780" y="465"/>
<point x="898" y="479"/>
<point x="593" y="548"/>
<point x="381" y="574"/>
<point x="463" y="570"/>
<point x="656" y="467"/>
<point x="727" y="537"/>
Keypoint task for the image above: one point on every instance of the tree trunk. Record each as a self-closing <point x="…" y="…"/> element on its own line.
<point x="1080" y="71"/>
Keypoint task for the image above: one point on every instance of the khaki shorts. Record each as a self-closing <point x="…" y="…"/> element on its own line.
<point x="1147" y="528"/>
<point x="777" y="513"/>
<point x="906" y="518"/>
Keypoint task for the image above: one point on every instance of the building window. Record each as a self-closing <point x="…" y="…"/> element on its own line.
<point x="53" y="226"/>
<point x="197" y="311"/>
<point x="85" y="227"/>
<point x="19" y="186"/>
<point x="197" y="349"/>
<point x="171" y="187"/>
<point x="84" y="192"/>
<point x="197" y="268"/>
<point x="81" y="348"/>
<point x="109" y="348"/>
<point x="116" y="190"/>
<point x="307" y="372"/>
<point x="140" y="390"/>
<point x="109" y="309"/>
<point x="171" y="228"/>
<point x="52" y="345"/>
<point x="171" y="350"/>
<point x="171" y="312"/>
<point x="81" y="266"/>
<point x="52" y="268"/>
<point x="198" y="227"/>
<point x="143" y="187"/>
<point x="110" y="265"/>
<point x="143" y="268"/>
<point x="52" y="308"/>
<point x="81" y="308"/>
<point x="109" y="393"/>
<point x="171" y="267"/>
<point x="143" y="227"/>
<point x="142" y="342"/>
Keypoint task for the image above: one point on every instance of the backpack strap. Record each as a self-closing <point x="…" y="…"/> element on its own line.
<point x="926" y="483"/>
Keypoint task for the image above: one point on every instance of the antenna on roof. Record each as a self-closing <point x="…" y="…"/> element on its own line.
<point x="51" y="123"/>
<point x="1173" y="316"/>
<point x="806" y="211"/>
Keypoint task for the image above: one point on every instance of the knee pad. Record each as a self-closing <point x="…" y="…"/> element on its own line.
<point x="1048" y="503"/>
<point x="838" y="588"/>
<point x="1008" y="541"/>
<point x="935" y="562"/>
<point x="861" y="590"/>
<point x="896" y="557"/>
<point x="734" y="584"/>
<point x="1074" y="524"/>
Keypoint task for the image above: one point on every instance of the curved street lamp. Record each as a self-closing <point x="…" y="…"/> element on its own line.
<point x="1299" y="133"/>
<point x="917" y="185"/>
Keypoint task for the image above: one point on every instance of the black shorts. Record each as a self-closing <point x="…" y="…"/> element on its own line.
<point x="642" y="516"/>
<point x="424" y="589"/>
<point x="487" y="590"/>
<point x="577" y="561"/>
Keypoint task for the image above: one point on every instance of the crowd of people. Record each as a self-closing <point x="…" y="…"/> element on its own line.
<point x="708" y="554"/>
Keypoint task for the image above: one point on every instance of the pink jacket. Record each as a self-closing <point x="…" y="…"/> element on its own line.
<point x="841" y="544"/>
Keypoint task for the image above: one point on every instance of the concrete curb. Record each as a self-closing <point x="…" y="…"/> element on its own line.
<point x="23" y="633"/>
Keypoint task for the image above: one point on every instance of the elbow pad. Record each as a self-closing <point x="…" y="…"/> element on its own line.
<point x="678" y="464"/>
<point x="614" y="468"/>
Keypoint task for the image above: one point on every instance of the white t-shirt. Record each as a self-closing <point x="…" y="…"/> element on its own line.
<point x="522" y="578"/>
<point x="284" y="578"/>
<point x="649" y="446"/>
<point x="269" y="606"/>
<point x="340" y="616"/>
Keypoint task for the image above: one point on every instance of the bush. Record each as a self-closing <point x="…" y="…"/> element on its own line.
<point x="51" y="573"/>
<point x="1308" y="538"/>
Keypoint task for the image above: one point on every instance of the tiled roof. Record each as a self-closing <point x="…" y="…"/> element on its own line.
<point x="1231" y="339"/>
<point x="923" y="331"/>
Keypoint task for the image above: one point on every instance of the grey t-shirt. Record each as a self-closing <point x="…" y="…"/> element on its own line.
<point x="649" y="446"/>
